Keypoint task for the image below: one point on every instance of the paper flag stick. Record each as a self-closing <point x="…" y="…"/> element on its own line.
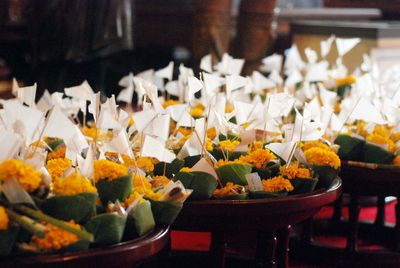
<point x="195" y="85"/>
<point x="166" y="72"/>
<point x="206" y="63"/>
<point x="344" y="45"/>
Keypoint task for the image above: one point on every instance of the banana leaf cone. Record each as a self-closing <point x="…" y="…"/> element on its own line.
<point x="117" y="189"/>
<point x="165" y="212"/>
<point x="326" y="175"/>
<point x="107" y="228"/>
<point x="375" y="154"/>
<point x="190" y="161"/>
<point x="55" y="143"/>
<point x="79" y="207"/>
<point x="262" y="194"/>
<point x="77" y="246"/>
<point x="7" y="240"/>
<point x="235" y="173"/>
<point x="303" y="186"/>
<point x="243" y="196"/>
<point x="139" y="221"/>
<point x="169" y="168"/>
<point x="217" y="153"/>
<point x="351" y="148"/>
<point x="203" y="184"/>
<point x="271" y="170"/>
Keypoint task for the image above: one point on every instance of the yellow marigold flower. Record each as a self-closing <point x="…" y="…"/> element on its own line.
<point x="295" y="171"/>
<point x="228" y="145"/>
<point x="258" y="158"/>
<point x="170" y="102"/>
<point x="395" y="137"/>
<point x="228" y="108"/>
<point x="337" y="108"/>
<point x="182" y="141"/>
<point x="55" y="238"/>
<point x="58" y="166"/>
<point x="360" y="128"/>
<point x="39" y="144"/>
<point x="396" y="160"/>
<point x="277" y="184"/>
<point x="378" y="139"/>
<point x="321" y="157"/>
<point x="381" y="130"/>
<point x="348" y="80"/>
<point x="26" y="175"/>
<point x="95" y="133"/>
<point x="4" y="220"/>
<point x="140" y="181"/>
<point x="145" y="164"/>
<point x="132" y="198"/>
<point x="197" y="111"/>
<point x="211" y="133"/>
<point x="257" y="145"/>
<point x="73" y="184"/>
<point x="105" y="169"/>
<point x="209" y="145"/>
<point x="223" y="162"/>
<point x="57" y="153"/>
<point x="185" y="169"/>
<point x="143" y="186"/>
<point x="159" y="181"/>
<point x="131" y="121"/>
<point x="229" y="189"/>
<point x="311" y="144"/>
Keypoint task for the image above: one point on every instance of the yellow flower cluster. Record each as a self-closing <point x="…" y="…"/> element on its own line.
<point x="229" y="145"/>
<point x="378" y="139"/>
<point x="185" y="169"/>
<point x="258" y="158"/>
<point x="145" y="164"/>
<point x="58" y="166"/>
<point x="185" y="131"/>
<point x="4" y="220"/>
<point x="26" y="175"/>
<point x="311" y="144"/>
<point x="57" y="153"/>
<point x="295" y="171"/>
<point x="223" y="162"/>
<point x="211" y="133"/>
<point x="229" y="189"/>
<point x="105" y="169"/>
<point x="321" y="157"/>
<point x="143" y="186"/>
<point x="209" y="145"/>
<point x="55" y="238"/>
<point x="73" y="184"/>
<point x="197" y="111"/>
<point x="396" y="160"/>
<point x="395" y="137"/>
<point x="132" y="198"/>
<point x="229" y="108"/>
<point x="170" y="102"/>
<point x="277" y="184"/>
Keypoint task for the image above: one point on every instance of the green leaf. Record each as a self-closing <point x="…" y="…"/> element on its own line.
<point x="375" y="154"/>
<point x="55" y="143"/>
<point x="302" y="186"/>
<point x="351" y="148"/>
<point x="326" y="175"/>
<point x="170" y="168"/>
<point x="235" y="173"/>
<point x="165" y="212"/>
<point x="217" y="153"/>
<point x="117" y="189"/>
<point x="107" y="228"/>
<point x="190" y="161"/>
<point x="79" y="207"/>
<point x="139" y="221"/>
<point x="7" y="240"/>
<point x="271" y="170"/>
<point x="203" y="184"/>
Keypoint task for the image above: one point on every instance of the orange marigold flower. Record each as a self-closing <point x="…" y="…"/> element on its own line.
<point x="185" y="169"/>
<point x="311" y="144"/>
<point x="57" y="153"/>
<point x="295" y="171"/>
<point x="26" y="175"/>
<point x="170" y="102"/>
<point x="382" y="140"/>
<point x="159" y="181"/>
<point x="229" y="189"/>
<point x="277" y="184"/>
<point x="58" y="166"/>
<point x="73" y="184"/>
<point x="258" y="158"/>
<point x="321" y="157"/>
<point x="228" y="145"/>
<point x="132" y="198"/>
<point x="105" y="169"/>
<point x="4" y="220"/>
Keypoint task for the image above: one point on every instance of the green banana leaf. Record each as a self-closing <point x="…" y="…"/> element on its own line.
<point x="203" y="184"/>
<point x="77" y="246"/>
<point x="235" y="173"/>
<point x="302" y="186"/>
<point x="377" y="155"/>
<point x="270" y="171"/>
<point x="55" y="143"/>
<point x="7" y="240"/>
<point x="351" y="148"/>
<point x="165" y="212"/>
<point x="262" y="194"/>
<point x="139" y="221"/>
<point x="107" y="228"/>
<point x="79" y="207"/>
<point x="217" y="153"/>
<point x="326" y="175"/>
<point x="117" y="189"/>
<point x="190" y="161"/>
<point x="170" y="168"/>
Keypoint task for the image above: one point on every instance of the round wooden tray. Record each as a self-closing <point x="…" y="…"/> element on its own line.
<point x="125" y="254"/>
<point x="269" y="217"/>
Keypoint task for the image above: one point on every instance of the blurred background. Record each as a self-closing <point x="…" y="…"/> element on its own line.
<point x="60" y="43"/>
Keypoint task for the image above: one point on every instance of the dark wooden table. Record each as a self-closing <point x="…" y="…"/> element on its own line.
<point x="270" y="218"/>
<point x="125" y="254"/>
